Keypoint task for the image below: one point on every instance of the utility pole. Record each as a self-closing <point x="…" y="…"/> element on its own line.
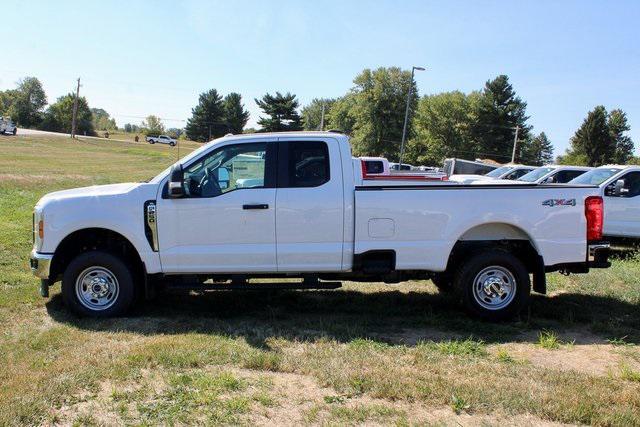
<point x="74" y="120"/>
<point x="515" y="144"/>
<point x="406" y="112"/>
<point x="322" y="118"/>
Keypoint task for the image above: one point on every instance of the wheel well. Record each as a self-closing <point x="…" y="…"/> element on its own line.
<point x="494" y="231"/>
<point x="520" y="248"/>
<point x="95" y="239"/>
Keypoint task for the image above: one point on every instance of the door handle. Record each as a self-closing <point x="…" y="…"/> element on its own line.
<point x="258" y="206"/>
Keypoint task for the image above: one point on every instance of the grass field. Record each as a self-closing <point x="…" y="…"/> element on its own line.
<point x="363" y="354"/>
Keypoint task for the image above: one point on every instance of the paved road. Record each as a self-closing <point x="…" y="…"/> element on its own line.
<point x="33" y="132"/>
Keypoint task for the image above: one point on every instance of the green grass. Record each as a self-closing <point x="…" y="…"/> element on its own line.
<point x="366" y="353"/>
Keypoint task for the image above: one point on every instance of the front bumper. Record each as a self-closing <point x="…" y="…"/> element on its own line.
<point x="40" y="264"/>
<point x="598" y="255"/>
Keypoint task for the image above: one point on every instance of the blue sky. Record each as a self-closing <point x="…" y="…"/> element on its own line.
<point x="137" y="58"/>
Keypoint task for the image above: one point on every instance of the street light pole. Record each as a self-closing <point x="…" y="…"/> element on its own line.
<point x="406" y="113"/>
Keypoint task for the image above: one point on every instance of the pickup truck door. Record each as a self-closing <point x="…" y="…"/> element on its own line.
<point x="622" y="212"/>
<point x="226" y="220"/>
<point x="309" y="206"/>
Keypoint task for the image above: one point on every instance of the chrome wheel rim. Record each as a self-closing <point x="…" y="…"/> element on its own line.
<point x="494" y="287"/>
<point x="97" y="288"/>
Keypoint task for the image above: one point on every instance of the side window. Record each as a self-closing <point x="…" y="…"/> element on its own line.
<point x="631" y="184"/>
<point x="566" y="176"/>
<point x="517" y="174"/>
<point x="229" y="168"/>
<point x="307" y="164"/>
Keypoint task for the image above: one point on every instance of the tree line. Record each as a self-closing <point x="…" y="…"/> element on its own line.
<point x="480" y="124"/>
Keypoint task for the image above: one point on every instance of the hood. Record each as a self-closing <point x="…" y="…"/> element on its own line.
<point x="88" y="192"/>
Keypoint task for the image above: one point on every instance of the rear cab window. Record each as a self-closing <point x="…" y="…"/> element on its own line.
<point x="303" y="164"/>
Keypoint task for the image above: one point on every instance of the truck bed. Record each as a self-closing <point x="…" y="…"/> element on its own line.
<point x="421" y="223"/>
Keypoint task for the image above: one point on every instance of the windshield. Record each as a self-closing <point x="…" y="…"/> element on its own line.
<point x="595" y="176"/>
<point x="496" y="173"/>
<point x="535" y="174"/>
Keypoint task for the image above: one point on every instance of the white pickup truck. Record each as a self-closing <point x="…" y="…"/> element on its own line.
<point x="298" y="205"/>
<point x="619" y="186"/>
<point x="161" y="139"/>
<point x="506" y="172"/>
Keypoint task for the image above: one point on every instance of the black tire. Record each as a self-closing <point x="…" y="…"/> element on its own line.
<point x="152" y="142"/>
<point x="15" y="130"/>
<point x="444" y="282"/>
<point x="122" y="289"/>
<point x="482" y="283"/>
<point x="172" y="144"/>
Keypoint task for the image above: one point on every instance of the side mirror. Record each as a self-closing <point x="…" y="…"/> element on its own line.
<point x="223" y="178"/>
<point x="176" y="182"/>
<point x="618" y="188"/>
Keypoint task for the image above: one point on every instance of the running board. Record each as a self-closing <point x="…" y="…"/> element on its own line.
<point x="255" y="286"/>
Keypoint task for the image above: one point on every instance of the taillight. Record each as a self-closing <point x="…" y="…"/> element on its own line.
<point x="594" y="211"/>
<point x="363" y="165"/>
<point x="41" y="229"/>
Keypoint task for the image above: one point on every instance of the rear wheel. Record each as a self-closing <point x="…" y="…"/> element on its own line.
<point x="98" y="284"/>
<point x="493" y="285"/>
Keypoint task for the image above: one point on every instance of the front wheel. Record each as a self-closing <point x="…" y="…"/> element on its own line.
<point x="15" y="130"/>
<point x="493" y="285"/>
<point x="98" y="284"/>
<point x="172" y="144"/>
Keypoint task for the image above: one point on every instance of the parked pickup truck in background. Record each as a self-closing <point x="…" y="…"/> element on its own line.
<point x="620" y="188"/>
<point x="506" y="172"/>
<point x="162" y="139"/>
<point x="7" y="126"/>
<point x="554" y="174"/>
<point x="305" y="209"/>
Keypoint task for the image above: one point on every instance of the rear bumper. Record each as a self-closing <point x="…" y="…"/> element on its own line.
<point x="40" y="264"/>
<point x="598" y="255"/>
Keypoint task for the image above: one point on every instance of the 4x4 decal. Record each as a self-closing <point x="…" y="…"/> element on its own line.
<point x="559" y="202"/>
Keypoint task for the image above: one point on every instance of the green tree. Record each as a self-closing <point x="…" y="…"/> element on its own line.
<point x="592" y="143"/>
<point x="59" y="115"/>
<point x="537" y="151"/>
<point x="175" y="133"/>
<point x="341" y="116"/>
<point x="378" y="112"/>
<point x="235" y="115"/>
<point x="207" y="118"/>
<point x="281" y="111"/>
<point x="498" y="113"/>
<point x="312" y="113"/>
<point x="26" y="103"/>
<point x="152" y="125"/>
<point x="624" y="146"/>
<point x="102" y="120"/>
<point x="442" y="128"/>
